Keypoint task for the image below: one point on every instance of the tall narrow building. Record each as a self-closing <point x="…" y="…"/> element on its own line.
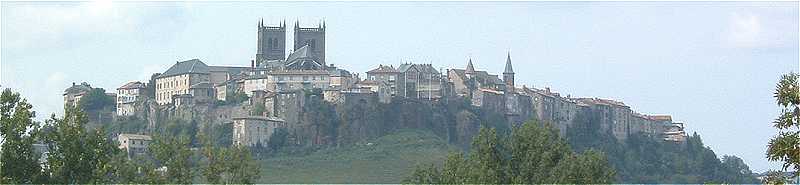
<point x="508" y="74"/>
<point x="271" y="42"/>
<point x="314" y="38"/>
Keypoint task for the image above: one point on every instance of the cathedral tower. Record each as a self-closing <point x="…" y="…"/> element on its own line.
<point x="314" y="38"/>
<point x="508" y="74"/>
<point x="271" y="42"/>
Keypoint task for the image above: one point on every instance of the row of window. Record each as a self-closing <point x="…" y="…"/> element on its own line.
<point x="172" y="84"/>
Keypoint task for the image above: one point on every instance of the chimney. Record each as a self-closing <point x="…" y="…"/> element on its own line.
<point x="252" y="64"/>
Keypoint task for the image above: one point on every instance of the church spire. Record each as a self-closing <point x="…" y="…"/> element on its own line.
<point x="470" y="69"/>
<point x="508" y="75"/>
<point x="509" y="69"/>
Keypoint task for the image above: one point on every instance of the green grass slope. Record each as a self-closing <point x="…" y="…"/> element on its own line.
<point x="388" y="159"/>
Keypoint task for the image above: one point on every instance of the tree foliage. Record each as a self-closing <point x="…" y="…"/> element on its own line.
<point x="18" y="160"/>
<point x="647" y="159"/>
<point x="785" y="146"/>
<point x="75" y="154"/>
<point x="172" y="154"/>
<point x="96" y="99"/>
<point x="532" y="154"/>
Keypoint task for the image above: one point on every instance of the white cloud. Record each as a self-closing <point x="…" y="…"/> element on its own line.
<point x="761" y="29"/>
<point x="55" y="25"/>
<point x="745" y="30"/>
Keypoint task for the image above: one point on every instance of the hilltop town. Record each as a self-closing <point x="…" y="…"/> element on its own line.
<point x="302" y="91"/>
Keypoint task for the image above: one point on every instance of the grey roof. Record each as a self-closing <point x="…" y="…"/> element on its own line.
<point x="383" y="69"/>
<point x="133" y="85"/>
<point x="302" y="58"/>
<point x="508" y="65"/>
<point x="422" y="68"/>
<point x="233" y="70"/>
<point x="481" y="76"/>
<point x="405" y="67"/>
<point x="271" y="64"/>
<point x="186" y="67"/>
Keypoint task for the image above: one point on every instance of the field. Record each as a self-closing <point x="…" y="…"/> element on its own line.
<point x="388" y="159"/>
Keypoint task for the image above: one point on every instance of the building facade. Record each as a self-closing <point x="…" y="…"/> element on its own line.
<point x="271" y="42"/>
<point x="127" y="96"/>
<point x="253" y="131"/>
<point x="73" y="94"/>
<point x="134" y="144"/>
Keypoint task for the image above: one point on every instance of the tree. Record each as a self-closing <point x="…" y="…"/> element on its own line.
<point x="242" y="167"/>
<point x="77" y="155"/>
<point x="536" y="155"/>
<point x="18" y="160"/>
<point x="785" y="146"/>
<point x="174" y="156"/>
<point x="96" y="99"/>
<point x="278" y="139"/>
<point x="216" y="159"/>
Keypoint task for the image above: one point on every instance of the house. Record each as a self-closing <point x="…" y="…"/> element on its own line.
<point x="127" y="95"/>
<point x="185" y="76"/>
<point x="134" y="144"/>
<point x="73" y="94"/>
<point x="255" y="130"/>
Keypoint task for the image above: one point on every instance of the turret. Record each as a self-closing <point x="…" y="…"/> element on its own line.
<point x="508" y="74"/>
<point x="470" y="71"/>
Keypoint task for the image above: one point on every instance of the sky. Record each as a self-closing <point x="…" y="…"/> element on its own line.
<point x="711" y="65"/>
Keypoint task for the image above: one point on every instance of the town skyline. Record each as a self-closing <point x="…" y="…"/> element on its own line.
<point x="538" y="64"/>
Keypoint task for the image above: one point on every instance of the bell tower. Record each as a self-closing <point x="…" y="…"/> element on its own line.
<point x="508" y="74"/>
<point x="314" y="38"/>
<point x="271" y="42"/>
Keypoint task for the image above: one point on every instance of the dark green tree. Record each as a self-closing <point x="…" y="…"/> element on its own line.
<point x="243" y="169"/>
<point x="75" y="154"/>
<point x="96" y="99"/>
<point x="278" y="139"/>
<point x="172" y="154"/>
<point x="18" y="160"/>
<point x="536" y="155"/>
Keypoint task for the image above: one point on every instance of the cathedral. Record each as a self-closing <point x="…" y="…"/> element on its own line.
<point x="308" y="52"/>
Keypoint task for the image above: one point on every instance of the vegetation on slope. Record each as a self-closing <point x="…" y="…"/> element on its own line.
<point x="647" y="159"/>
<point x="533" y="154"/>
<point x="387" y="159"/>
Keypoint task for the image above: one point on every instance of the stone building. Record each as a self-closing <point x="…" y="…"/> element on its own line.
<point x="387" y="74"/>
<point x="188" y="77"/>
<point x="290" y="80"/>
<point x="421" y="81"/>
<point x="271" y="42"/>
<point x="614" y="115"/>
<point x="410" y="80"/>
<point x="127" y="96"/>
<point x="675" y="132"/>
<point x="467" y="80"/>
<point x="74" y="93"/>
<point x="313" y="38"/>
<point x="254" y="130"/>
<point x="340" y="78"/>
<point x="134" y="144"/>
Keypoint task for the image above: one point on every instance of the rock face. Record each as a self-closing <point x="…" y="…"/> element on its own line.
<point x="313" y="122"/>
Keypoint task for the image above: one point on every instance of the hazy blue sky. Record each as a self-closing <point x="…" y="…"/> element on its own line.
<point x="712" y="65"/>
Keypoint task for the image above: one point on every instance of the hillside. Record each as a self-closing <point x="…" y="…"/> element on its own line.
<point x="388" y="159"/>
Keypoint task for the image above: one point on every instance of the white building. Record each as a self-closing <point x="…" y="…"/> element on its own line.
<point x="127" y="95"/>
